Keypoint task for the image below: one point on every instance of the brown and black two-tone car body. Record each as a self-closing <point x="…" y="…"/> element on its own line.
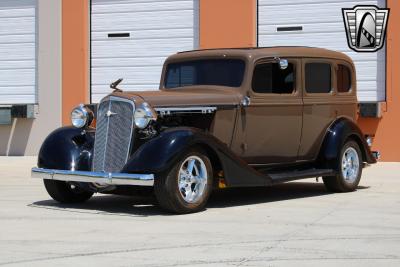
<point x="221" y="118"/>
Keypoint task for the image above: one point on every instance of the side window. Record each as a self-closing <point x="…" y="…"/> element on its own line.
<point x="343" y="79"/>
<point x="269" y="78"/>
<point x="318" y="78"/>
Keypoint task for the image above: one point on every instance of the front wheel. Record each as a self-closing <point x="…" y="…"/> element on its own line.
<point x="187" y="186"/>
<point x="64" y="192"/>
<point x="349" y="169"/>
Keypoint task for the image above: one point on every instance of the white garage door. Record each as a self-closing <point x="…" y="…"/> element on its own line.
<point x="17" y="52"/>
<point x="131" y="39"/>
<point x="322" y="26"/>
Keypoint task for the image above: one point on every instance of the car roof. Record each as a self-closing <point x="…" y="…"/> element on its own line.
<point x="258" y="52"/>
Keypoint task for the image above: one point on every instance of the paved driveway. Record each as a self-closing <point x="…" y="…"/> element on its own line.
<point x="293" y="224"/>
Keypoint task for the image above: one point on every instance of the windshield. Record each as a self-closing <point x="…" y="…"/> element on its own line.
<point x="222" y="72"/>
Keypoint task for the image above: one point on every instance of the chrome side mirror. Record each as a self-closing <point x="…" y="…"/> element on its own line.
<point x="245" y="102"/>
<point x="283" y="64"/>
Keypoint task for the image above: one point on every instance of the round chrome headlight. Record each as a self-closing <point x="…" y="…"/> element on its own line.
<point x="80" y="116"/>
<point x="143" y="115"/>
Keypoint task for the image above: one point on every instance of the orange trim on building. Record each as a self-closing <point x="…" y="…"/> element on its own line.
<point x="227" y="23"/>
<point x="75" y="55"/>
<point x="386" y="129"/>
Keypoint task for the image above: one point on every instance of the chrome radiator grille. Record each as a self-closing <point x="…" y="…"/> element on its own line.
<point x="114" y="133"/>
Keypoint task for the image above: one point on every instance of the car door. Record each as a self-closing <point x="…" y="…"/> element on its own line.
<point x="319" y="104"/>
<point x="269" y="128"/>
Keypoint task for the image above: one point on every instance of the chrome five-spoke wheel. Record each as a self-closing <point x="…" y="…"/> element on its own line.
<point x="348" y="171"/>
<point x="186" y="186"/>
<point x="350" y="165"/>
<point x="192" y="179"/>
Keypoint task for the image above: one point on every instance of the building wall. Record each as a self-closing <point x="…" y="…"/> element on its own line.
<point x="223" y="23"/>
<point x="386" y="129"/>
<point x="75" y="55"/>
<point x="227" y="23"/>
<point x="25" y="136"/>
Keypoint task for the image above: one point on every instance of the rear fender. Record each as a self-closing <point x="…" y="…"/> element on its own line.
<point x="338" y="133"/>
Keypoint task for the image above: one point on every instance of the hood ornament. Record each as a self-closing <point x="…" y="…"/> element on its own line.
<point x="114" y="85"/>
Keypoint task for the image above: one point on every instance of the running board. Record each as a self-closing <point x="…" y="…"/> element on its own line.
<point x="282" y="177"/>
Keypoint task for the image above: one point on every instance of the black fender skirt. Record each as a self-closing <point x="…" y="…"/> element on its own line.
<point x="67" y="148"/>
<point x="338" y="133"/>
<point x="159" y="154"/>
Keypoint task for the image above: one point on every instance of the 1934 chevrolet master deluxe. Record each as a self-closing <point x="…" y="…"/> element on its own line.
<point x="222" y="118"/>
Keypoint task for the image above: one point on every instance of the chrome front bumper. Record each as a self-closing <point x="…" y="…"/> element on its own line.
<point x="94" y="177"/>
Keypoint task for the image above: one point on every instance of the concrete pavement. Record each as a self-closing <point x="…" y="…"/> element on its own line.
<point x="297" y="223"/>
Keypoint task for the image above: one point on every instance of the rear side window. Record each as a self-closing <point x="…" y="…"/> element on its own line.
<point x="343" y="79"/>
<point x="269" y="78"/>
<point x="318" y="78"/>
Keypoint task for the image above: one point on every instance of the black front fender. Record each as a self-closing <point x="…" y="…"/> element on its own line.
<point x="338" y="133"/>
<point x="159" y="154"/>
<point x="67" y="148"/>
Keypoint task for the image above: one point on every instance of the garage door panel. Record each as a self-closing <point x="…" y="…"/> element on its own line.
<point x="140" y="21"/>
<point x="318" y="39"/>
<point x="145" y="34"/>
<point x="304" y="2"/>
<point x="331" y="27"/>
<point x="17" y="64"/>
<point x="20" y="8"/>
<point x="103" y="89"/>
<point x="322" y="26"/>
<point x="130" y="74"/>
<point x="15" y="90"/>
<point x="135" y="6"/>
<point x="369" y="94"/>
<point x="99" y="91"/>
<point x="144" y="47"/>
<point x="22" y="12"/>
<point x="128" y="61"/>
<point x="18" y="25"/>
<point x="17" y="38"/>
<point x="157" y="29"/>
<point x="17" y="52"/>
<point x="307" y="12"/>
<point x="19" y="11"/>
<point x="16" y="99"/>
<point x="15" y="77"/>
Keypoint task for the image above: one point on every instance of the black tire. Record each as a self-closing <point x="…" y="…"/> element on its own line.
<point x="166" y="187"/>
<point x="65" y="193"/>
<point x="338" y="183"/>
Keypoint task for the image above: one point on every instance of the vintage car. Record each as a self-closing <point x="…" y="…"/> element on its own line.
<point x="221" y="118"/>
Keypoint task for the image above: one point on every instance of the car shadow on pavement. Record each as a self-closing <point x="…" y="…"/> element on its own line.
<point x="247" y="196"/>
<point x="144" y="206"/>
<point x="108" y="205"/>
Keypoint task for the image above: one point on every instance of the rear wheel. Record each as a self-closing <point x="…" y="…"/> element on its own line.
<point x="349" y="169"/>
<point x="187" y="186"/>
<point x="64" y="192"/>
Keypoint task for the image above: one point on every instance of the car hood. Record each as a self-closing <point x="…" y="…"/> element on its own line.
<point x="188" y="97"/>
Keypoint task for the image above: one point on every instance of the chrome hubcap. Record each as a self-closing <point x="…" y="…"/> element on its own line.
<point x="350" y="165"/>
<point x="192" y="179"/>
